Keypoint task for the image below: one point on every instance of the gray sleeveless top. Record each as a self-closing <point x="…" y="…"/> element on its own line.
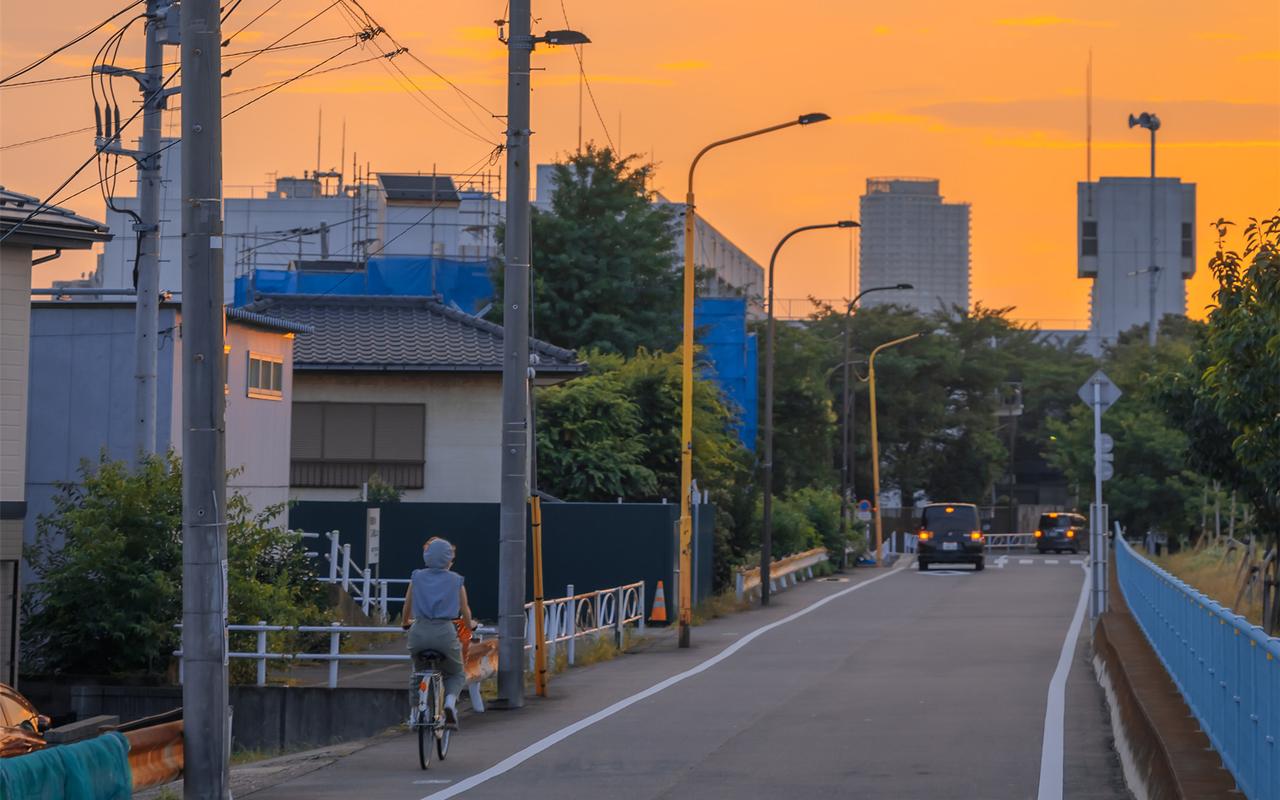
<point x="436" y="594"/>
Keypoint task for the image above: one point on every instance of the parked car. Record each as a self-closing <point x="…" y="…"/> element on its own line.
<point x="950" y="533"/>
<point x="21" y="726"/>
<point x="1061" y="532"/>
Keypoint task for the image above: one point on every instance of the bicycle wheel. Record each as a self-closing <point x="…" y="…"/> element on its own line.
<point x="426" y="723"/>
<point x="442" y="729"/>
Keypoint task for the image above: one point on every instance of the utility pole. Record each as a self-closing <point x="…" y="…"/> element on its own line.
<point x="207" y="721"/>
<point x="159" y="32"/>
<point x="515" y="367"/>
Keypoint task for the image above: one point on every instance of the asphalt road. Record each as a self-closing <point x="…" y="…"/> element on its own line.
<point x="915" y="685"/>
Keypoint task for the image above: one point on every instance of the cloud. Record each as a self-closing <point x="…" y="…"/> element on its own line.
<point x="1050" y="21"/>
<point x="1219" y="36"/>
<point x="1184" y="120"/>
<point x="882" y="30"/>
<point x="1266" y="55"/>
<point x="684" y="66"/>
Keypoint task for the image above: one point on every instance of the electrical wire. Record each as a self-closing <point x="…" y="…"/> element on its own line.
<point x="42" y="59"/>
<point x="582" y="71"/>
<point x="304" y="24"/>
<point x="261" y="14"/>
<point x="285" y="83"/>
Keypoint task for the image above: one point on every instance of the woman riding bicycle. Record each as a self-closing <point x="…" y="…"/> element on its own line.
<point x="435" y="598"/>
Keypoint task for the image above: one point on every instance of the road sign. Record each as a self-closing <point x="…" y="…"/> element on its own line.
<point x="1109" y="391"/>
<point x="1107" y="471"/>
<point x="864" y="510"/>
<point x="372" y="535"/>
<point x="1108" y="443"/>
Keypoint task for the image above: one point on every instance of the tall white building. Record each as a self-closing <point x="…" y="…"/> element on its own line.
<point x="318" y="218"/>
<point x="1113" y="245"/>
<point x="909" y="235"/>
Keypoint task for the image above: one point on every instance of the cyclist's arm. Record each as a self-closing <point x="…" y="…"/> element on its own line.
<point x="406" y="616"/>
<point x="466" y="608"/>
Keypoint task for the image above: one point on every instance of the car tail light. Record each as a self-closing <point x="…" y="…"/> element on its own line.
<point x="1039" y="534"/>
<point x="1071" y="534"/>
<point x="976" y="535"/>
<point x="925" y="535"/>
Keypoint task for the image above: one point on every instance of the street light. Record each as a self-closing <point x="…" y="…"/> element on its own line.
<point x="1152" y="123"/>
<point x="686" y="377"/>
<point x="875" y="441"/>
<point x="766" y="535"/>
<point x="846" y="406"/>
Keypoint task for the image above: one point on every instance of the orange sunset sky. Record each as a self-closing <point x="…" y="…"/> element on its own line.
<point x="986" y="96"/>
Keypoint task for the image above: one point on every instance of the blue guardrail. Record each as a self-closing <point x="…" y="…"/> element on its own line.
<point x="1227" y="669"/>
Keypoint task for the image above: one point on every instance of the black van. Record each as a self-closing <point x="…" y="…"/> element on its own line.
<point x="950" y="533"/>
<point x="1062" y="531"/>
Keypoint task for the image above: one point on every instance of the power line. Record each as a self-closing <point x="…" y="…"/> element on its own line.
<point x="285" y="83"/>
<point x="582" y="71"/>
<point x="71" y="43"/>
<point x="261" y="14"/>
<point x="304" y="24"/>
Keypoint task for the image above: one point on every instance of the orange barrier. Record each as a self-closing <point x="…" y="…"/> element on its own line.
<point x="659" y="613"/>
<point x="155" y="754"/>
<point x="482" y="660"/>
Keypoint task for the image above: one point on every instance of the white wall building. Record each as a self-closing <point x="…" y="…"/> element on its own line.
<point x="1113" y="246"/>
<point x="736" y="273"/>
<point x="318" y="217"/>
<point x="909" y="235"/>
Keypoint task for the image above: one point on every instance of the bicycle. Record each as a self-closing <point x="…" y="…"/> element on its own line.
<point x="426" y="716"/>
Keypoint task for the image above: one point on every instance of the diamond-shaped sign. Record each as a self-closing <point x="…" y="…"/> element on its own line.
<point x="1109" y="393"/>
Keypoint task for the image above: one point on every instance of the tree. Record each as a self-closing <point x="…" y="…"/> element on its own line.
<point x="603" y="259"/>
<point x="109" y="562"/>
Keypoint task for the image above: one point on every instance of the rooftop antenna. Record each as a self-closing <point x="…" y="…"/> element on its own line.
<point x="343" y="153"/>
<point x="319" y="130"/>
<point x="1088" y="135"/>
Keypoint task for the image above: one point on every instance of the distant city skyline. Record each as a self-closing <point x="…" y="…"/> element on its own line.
<point x="1001" y="125"/>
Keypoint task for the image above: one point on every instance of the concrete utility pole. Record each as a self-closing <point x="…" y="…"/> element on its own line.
<point x="515" y="367"/>
<point x="146" y="227"/>
<point x="204" y="484"/>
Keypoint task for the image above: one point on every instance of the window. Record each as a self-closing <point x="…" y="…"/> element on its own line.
<point x="266" y="377"/>
<point x="1089" y="238"/>
<point x="1188" y="243"/>
<point x="339" y="445"/>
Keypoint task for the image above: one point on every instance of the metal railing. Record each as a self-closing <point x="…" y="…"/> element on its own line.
<point x="568" y="619"/>
<point x="1227" y="669"/>
<point x="782" y="573"/>
<point x="372" y="594"/>
<point x="1010" y="541"/>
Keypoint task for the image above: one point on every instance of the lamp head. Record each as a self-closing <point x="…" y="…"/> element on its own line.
<point x="809" y="119"/>
<point x="904" y="286"/>
<point x="1145" y="120"/>
<point x="565" y="38"/>
<point x="847" y="223"/>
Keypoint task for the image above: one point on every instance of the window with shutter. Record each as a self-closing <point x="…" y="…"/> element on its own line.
<point x="342" y="444"/>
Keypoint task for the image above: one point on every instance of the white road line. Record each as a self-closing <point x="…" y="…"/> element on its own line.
<point x="1051" y="561"/>
<point x="1051" y="751"/>
<point x="550" y="740"/>
<point x="1024" y="561"/>
<point x="1001" y="561"/>
<point x="1077" y="561"/>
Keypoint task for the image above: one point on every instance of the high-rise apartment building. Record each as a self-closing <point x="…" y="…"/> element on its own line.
<point x="909" y="235"/>
<point x="1114" y="249"/>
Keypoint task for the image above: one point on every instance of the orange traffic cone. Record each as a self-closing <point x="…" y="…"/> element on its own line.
<point x="659" y="613"/>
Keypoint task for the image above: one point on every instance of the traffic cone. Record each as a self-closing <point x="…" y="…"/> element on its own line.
<point x="659" y="613"/>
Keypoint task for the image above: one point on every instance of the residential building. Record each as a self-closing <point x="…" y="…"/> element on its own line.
<point x="909" y="235"/>
<point x="732" y="273"/>
<point x="80" y="344"/>
<point x="406" y="388"/>
<point x="1114" y="250"/>
<point x="321" y="221"/>
<point x="52" y="229"/>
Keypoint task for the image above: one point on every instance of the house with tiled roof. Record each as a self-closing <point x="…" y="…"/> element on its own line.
<point x="405" y="388"/>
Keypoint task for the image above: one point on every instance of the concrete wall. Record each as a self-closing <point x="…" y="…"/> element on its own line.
<point x="15" y="324"/>
<point x="463" y="422"/>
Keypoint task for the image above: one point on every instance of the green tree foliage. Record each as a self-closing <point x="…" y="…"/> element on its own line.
<point x="109" y="562"/>
<point x="805" y="409"/>
<point x="603" y="265"/>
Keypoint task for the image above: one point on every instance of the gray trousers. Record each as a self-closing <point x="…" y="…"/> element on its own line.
<point x="441" y="636"/>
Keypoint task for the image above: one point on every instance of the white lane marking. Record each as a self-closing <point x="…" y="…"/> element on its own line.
<point x="550" y="740"/>
<point x="1024" y="561"/>
<point x="943" y="573"/>
<point x="1051" y="561"/>
<point x="1001" y="561"/>
<point x="1077" y="561"/>
<point x="1051" y="751"/>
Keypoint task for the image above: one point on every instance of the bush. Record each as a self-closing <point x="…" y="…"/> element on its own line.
<point x="109" y="565"/>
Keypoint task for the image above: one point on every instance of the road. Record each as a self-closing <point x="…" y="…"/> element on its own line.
<point x="891" y="684"/>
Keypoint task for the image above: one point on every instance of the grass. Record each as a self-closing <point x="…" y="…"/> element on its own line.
<point x="1208" y="572"/>
<point x="719" y="605"/>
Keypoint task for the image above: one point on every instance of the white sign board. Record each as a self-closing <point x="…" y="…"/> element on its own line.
<point x="1108" y="392"/>
<point x="864" y="510"/>
<point x="372" y="535"/>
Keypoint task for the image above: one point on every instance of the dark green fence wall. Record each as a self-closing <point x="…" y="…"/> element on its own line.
<point x="589" y="545"/>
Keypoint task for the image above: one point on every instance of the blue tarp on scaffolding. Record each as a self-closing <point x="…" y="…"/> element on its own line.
<point x="465" y="283"/>
<point x="730" y="355"/>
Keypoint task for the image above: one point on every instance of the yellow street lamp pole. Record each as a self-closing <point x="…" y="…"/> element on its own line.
<point x="686" y="378"/>
<point x="875" y="441"/>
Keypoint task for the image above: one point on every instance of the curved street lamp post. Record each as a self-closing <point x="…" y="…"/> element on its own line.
<point x="875" y="441"/>
<point x="766" y="536"/>
<point x="685" y="589"/>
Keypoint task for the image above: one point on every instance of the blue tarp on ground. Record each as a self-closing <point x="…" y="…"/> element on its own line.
<point x="730" y="354"/>
<point x="97" y="769"/>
